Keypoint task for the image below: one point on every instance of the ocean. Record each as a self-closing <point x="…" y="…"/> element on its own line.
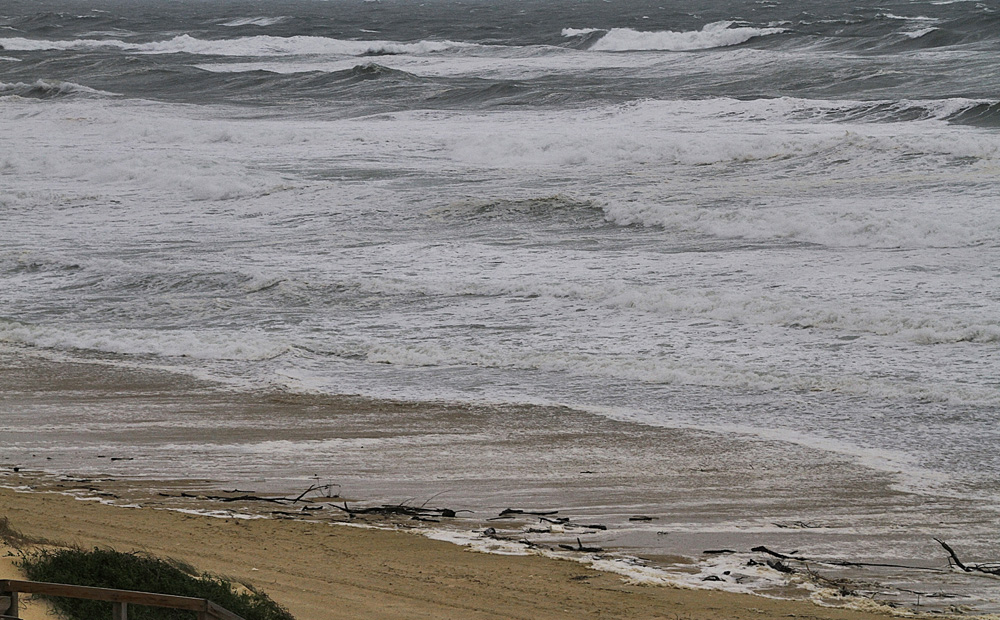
<point x="771" y="221"/>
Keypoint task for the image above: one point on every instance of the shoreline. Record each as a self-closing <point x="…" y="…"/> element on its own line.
<point x="700" y="491"/>
<point x="323" y="572"/>
<point x="118" y="501"/>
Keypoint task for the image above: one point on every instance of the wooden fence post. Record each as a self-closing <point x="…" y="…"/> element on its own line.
<point x="8" y="604"/>
<point x="119" y="611"/>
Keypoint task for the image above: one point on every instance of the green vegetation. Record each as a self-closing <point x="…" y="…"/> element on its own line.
<point x="14" y="538"/>
<point x="105" y="568"/>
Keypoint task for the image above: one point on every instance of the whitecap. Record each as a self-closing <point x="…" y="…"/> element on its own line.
<point x="49" y="88"/>
<point x="255" y="21"/>
<point x="262" y="45"/>
<point x="918" y="18"/>
<point x="194" y="345"/>
<point x="578" y="32"/>
<point x="916" y="34"/>
<point x="716" y="34"/>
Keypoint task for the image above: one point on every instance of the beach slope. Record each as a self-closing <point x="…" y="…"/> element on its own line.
<point x="323" y="572"/>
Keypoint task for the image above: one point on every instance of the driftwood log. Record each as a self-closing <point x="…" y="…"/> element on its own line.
<point x="510" y="512"/>
<point x="579" y="547"/>
<point x="414" y="512"/>
<point x="318" y="487"/>
<point x="990" y="568"/>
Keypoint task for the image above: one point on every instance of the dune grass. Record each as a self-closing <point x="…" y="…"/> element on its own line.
<point x="106" y="568"/>
<point x="14" y="538"/>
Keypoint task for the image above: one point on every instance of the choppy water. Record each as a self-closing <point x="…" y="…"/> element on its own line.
<point x="770" y="218"/>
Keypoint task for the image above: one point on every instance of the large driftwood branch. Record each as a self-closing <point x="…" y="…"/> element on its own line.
<point x="400" y="510"/>
<point x="224" y="498"/>
<point x="991" y="568"/>
<point x="507" y="512"/>
<point x="832" y="562"/>
<point x="954" y="556"/>
<point x="316" y="487"/>
<point x="579" y="547"/>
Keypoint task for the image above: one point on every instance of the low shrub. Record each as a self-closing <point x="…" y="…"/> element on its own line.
<point x="106" y="568"/>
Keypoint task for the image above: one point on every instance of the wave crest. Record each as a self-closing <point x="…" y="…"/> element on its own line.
<point x="578" y="32"/>
<point x="48" y="89"/>
<point x="916" y="34"/>
<point x="553" y="208"/>
<point x="255" y="21"/>
<point x="716" y="34"/>
<point x="207" y="344"/>
<point x="262" y="45"/>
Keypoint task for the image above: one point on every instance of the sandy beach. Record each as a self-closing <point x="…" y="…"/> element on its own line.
<point x="548" y="308"/>
<point x="168" y="443"/>
<point x="322" y="572"/>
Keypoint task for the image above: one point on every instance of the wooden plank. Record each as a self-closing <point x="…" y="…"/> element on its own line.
<point x="104" y="594"/>
<point x="206" y="609"/>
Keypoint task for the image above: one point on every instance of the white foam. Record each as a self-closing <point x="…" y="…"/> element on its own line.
<point x="716" y="34"/>
<point x="129" y="149"/>
<point x="725" y="572"/>
<point x="208" y="346"/>
<point x="493" y="63"/>
<point x="754" y="374"/>
<point x="916" y="18"/>
<point x="255" y="21"/>
<point x="49" y="87"/>
<point x="218" y="514"/>
<point x="262" y="45"/>
<point x="916" y="34"/>
<point x="654" y="139"/>
<point x="578" y="32"/>
<point x="836" y="223"/>
<point x="520" y="320"/>
<point x="924" y="327"/>
<point x="479" y="543"/>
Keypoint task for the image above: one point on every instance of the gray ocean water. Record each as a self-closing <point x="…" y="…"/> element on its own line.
<point x="768" y="219"/>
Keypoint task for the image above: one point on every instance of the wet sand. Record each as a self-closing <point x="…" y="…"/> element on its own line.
<point x="700" y="491"/>
<point x="322" y="572"/>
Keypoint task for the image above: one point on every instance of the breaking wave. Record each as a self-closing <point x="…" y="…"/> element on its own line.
<point x="553" y="208"/>
<point x="579" y="32"/>
<point x="255" y="21"/>
<point x="978" y="112"/>
<point x="49" y="89"/>
<point x="263" y="45"/>
<point x="716" y="34"/>
<point x="916" y="34"/>
<point x="206" y="345"/>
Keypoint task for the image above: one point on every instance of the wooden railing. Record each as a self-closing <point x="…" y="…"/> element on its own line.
<point x="204" y="609"/>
